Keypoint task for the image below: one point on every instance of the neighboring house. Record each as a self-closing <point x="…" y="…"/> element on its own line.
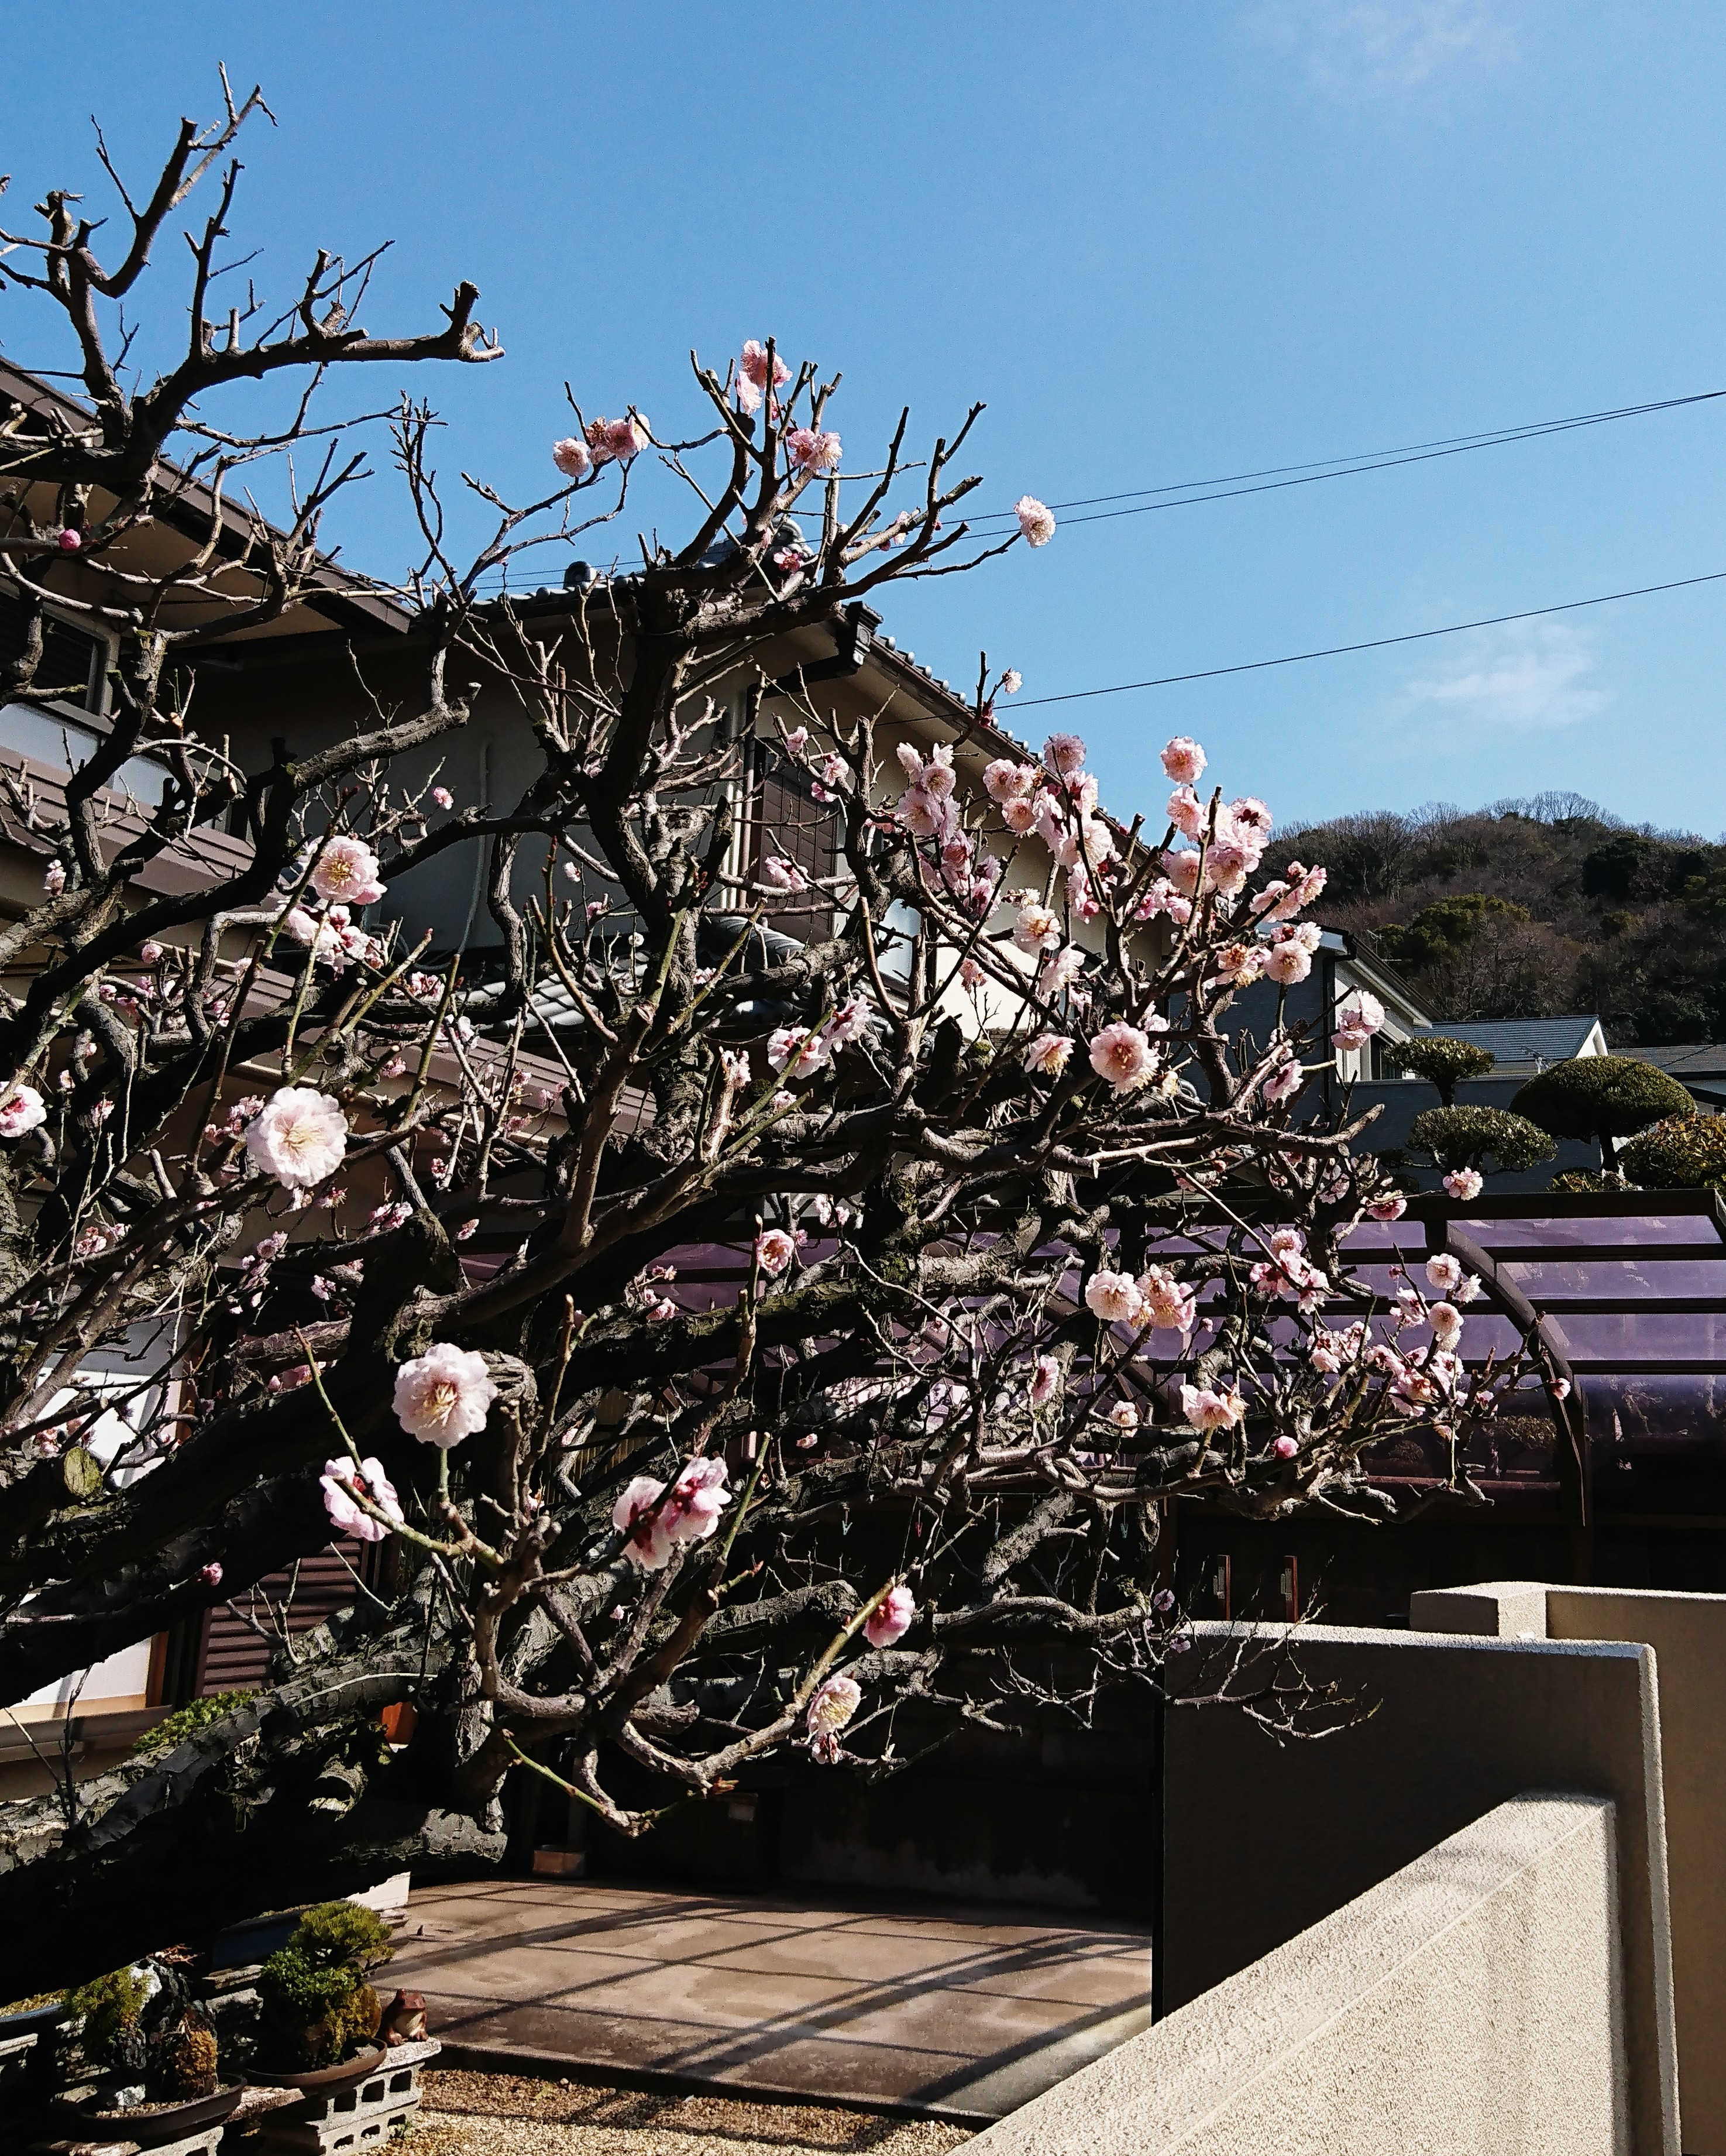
<point x="1698" y="1067"/>
<point x="1523" y="1047"/>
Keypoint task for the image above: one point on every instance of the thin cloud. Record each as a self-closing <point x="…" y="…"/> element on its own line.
<point x="1388" y="48"/>
<point x="1527" y="678"/>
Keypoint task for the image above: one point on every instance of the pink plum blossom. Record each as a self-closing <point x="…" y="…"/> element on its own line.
<point x="891" y="1618"/>
<point x="971" y="973"/>
<point x="1359" y="1017"/>
<point x="70" y="539"/>
<point x="1211" y="1408"/>
<point x="1113" y="1297"/>
<point x="572" y="457"/>
<point x="21" y="1110"/>
<point x="1285" y="1448"/>
<point x="1465" y="1184"/>
<point x="922" y="814"/>
<point x="1187" y="812"/>
<point x="754" y="366"/>
<point x="1123" y="1056"/>
<point x="1184" y="761"/>
<point x="1045" y="1381"/>
<point x="347" y="870"/>
<point x="774" y="1250"/>
<point x="1168" y="1303"/>
<point x="210" y="1574"/>
<point x="1011" y="681"/>
<point x="1047" y="1055"/>
<point x="697" y="1498"/>
<point x="344" y="1484"/>
<point x="1286" y="963"/>
<point x="298" y="1137"/>
<point x="797" y="1050"/>
<point x="1064" y="753"/>
<point x="1284" y="1082"/>
<point x="1446" y="1321"/>
<point x="1019" y="815"/>
<point x="1444" y="1272"/>
<point x="1035" y="519"/>
<point x="442" y="1396"/>
<point x="1388" y="1208"/>
<point x="1251" y="818"/>
<point x="54" y="879"/>
<point x="812" y="448"/>
<point x="1060" y="970"/>
<point x="646" y="1532"/>
<point x="780" y="873"/>
<point x="444" y="798"/>
<point x="938" y="775"/>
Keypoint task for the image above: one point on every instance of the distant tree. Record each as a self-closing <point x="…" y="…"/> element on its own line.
<point x="1439" y="933"/>
<point x="1601" y="1097"/>
<point x="1464" y="1137"/>
<point x="1684" y="1152"/>
<point x="1442" y="1061"/>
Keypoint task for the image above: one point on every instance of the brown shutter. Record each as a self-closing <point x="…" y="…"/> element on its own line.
<point x="234" y="1658"/>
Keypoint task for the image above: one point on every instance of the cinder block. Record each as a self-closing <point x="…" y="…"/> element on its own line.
<point x="364" y="2115"/>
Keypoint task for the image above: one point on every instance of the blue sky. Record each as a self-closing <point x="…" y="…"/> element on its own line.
<point x="1160" y="240"/>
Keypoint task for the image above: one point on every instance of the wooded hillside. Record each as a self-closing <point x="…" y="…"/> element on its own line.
<point x="1529" y="908"/>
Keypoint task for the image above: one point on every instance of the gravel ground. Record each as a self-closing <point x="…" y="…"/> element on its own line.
<point x="510" y="2115"/>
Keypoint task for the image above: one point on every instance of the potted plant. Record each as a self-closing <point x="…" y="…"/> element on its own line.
<point x="321" y="2013"/>
<point x="153" y="2051"/>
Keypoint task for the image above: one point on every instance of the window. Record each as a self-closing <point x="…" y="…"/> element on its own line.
<point x="72" y="660"/>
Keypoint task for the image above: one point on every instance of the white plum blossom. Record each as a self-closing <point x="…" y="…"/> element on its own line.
<point x="1035" y="519"/>
<point x="832" y="1706"/>
<point x="1465" y="1184"/>
<point x="572" y="457"/>
<point x="1038" y="928"/>
<point x="797" y="1050"/>
<point x="442" y="1396"/>
<point x="300" y="1137"/>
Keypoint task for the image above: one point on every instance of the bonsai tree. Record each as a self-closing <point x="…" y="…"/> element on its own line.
<point x="1601" y="1097"/>
<point x="1441" y="1060"/>
<point x="140" y="2024"/>
<point x="1461" y="1139"/>
<point x="319" y="2007"/>
<point x="1682" y="1153"/>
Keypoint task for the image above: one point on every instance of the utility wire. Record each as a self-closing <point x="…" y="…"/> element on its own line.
<point x="1231" y="486"/>
<point x="1371" y="644"/>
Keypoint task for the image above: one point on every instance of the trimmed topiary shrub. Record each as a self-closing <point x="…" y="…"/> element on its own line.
<point x="1684" y="1152"/>
<point x="1458" y="1137"/>
<point x="1602" y="1097"/>
<point x="1441" y="1061"/>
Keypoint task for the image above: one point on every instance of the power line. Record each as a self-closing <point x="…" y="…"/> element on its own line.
<point x="1231" y="486"/>
<point x="1371" y="644"/>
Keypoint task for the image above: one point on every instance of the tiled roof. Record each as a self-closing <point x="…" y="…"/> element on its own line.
<point x="1523" y="1039"/>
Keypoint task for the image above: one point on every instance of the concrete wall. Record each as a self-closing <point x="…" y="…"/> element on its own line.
<point x="1687" y="1633"/>
<point x="1469" y="2005"/>
<point x="1263" y="1838"/>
